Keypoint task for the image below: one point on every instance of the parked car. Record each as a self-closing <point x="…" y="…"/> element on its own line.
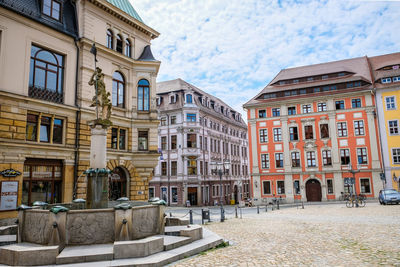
<point x="389" y="196"/>
<point x="157" y="201"/>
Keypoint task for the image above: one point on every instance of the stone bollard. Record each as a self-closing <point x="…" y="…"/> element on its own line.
<point x="236" y="212"/>
<point x="190" y="217"/>
<point x="258" y="209"/>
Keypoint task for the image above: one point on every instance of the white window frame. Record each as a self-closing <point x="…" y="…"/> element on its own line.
<point x="283" y="161"/>
<point x="268" y="163"/>
<point x="177" y="193"/>
<point x="366" y="155"/>
<point x="284" y="189"/>
<point x="386" y="80"/>
<point x="306" y="108"/>
<point x="315" y="159"/>
<point x="333" y="186"/>
<point x="322" y="107"/>
<point x="363" y="128"/>
<point x="346" y="129"/>
<point x="370" y="185"/>
<point x="280" y="135"/>
<point x="266" y="136"/>
<point x="396" y="79"/>
<point x="398" y="155"/>
<point x="154" y="191"/>
<point x="397" y="127"/>
<point x="394" y="102"/>
<point x="270" y="188"/>
<point x="161" y="192"/>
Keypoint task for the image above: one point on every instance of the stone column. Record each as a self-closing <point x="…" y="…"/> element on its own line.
<point x="323" y="188"/>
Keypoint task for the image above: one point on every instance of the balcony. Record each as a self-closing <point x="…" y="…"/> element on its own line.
<point x="45" y="94"/>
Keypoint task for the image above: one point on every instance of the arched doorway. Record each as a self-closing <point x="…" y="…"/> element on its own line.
<point x="313" y="190"/>
<point x="117" y="184"/>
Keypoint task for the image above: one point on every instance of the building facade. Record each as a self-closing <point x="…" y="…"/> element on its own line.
<point x="309" y="127"/>
<point x="45" y="99"/>
<point x="386" y="71"/>
<point x="195" y="130"/>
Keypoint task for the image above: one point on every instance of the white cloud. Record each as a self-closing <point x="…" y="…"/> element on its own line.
<point x="233" y="48"/>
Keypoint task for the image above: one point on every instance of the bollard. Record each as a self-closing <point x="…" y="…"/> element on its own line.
<point x="266" y="208"/>
<point x="190" y="217"/>
<point x="222" y="214"/>
<point x="170" y="214"/>
<point x="258" y="209"/>
<point x="302" y="204"/>
<point x="277" y="203"/>
<point x="240" y="213"/>
<point x="236" y="212"/>
<point x="202" y="222"/>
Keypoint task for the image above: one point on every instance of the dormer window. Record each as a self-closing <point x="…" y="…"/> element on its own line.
<point x="189" y="98"/>
<point x="386" y="80"/>
<point x="310" y="79"/>
<point x="52" y="8"/>
<point x="296" y="81"/>
<point x="324" y="77"/>
<point x="282" y="82"/>
<point x="172" y="99"/>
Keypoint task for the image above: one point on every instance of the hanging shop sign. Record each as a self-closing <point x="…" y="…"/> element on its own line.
<point x="10" y="173"/>
<point x="9" y="195"/>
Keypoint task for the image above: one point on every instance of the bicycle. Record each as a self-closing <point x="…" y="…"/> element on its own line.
<point x="355" y="200"/>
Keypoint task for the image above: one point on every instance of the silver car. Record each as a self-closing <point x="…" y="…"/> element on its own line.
<point x="389" y="196"/>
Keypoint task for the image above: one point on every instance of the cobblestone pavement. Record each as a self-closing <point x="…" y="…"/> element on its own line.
<point x="320" y="235"/>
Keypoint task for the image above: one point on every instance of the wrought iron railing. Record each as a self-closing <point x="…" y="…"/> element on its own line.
<point x="45" y="94"/>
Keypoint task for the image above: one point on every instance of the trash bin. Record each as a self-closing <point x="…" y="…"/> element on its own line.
<point x="232" y="202"/>
<point x="206" y="214"/>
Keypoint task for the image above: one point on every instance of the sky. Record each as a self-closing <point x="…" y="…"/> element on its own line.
<point x="233" y="48"/>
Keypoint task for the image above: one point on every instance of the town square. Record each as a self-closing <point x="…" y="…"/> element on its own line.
<point x="199" y="133"/>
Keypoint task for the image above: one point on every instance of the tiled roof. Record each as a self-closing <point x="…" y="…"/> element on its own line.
<point x="126" y="6"/>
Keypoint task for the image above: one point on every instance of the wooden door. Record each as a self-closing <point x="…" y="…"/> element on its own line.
<point x="313" y="190"/>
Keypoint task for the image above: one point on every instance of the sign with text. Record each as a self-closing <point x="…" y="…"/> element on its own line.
<point x="9" y="195"/>
<point x="10" y="173"/>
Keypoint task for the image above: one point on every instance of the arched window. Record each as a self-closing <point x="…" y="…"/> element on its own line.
<point x="110" y="39"/>
<point x="128" y="48"/>
<point x="119" y="43"/>
<point x="46" y="73"/>
<point x="118" y="90"/>
<point x="189" y="98"/>
<point x="143" y="95"/>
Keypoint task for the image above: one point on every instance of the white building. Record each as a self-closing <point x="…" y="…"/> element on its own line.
<point x="195" y="130"/>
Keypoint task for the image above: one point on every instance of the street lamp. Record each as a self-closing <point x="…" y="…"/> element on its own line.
<point x="220" y="169"/>
<point x="353" y="172"/>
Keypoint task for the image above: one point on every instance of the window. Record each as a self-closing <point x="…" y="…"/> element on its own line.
<point x="189" y="98"/>
<point x="118" y="138"/>
<point x="118" y="90"/>
<point x="265" y="161"/>
<point x="110" y="39"/>
<point x="173" y="141"/>
<point x="205" y="143"/>
<point x="295" y="159"/>
<point x="396" y="79"/>
<point x="291" y="110"/>
<point x="281" y="187"/>
<point x="163" y="143"/>
<point x="164" y="168"/>
<point x="311" y="159"/>
<point x="279" y="160"/>
<point x="143" y="95"/>
<point x="174" y="194"/>
<point x="262" y="113"/>
<point x="174" y="168"/>
<point x="342" y="129"/>
<point x="119" y="44"/>
<point x="365" y="186"/>
<point x="324" y="77"/>
<point x="128" y="48"/>
<point x="52" y="8"/>
<point x="191" y="117"/>
<point x="142" y="140"/>
<point x="329" y="185"/>
<point x="362" y="155"/>
<point x="356" y="103"/>
<point x="46" y="75"/>
<point x="393" y="127"/>
<point x="192" y="167"/>
<point x="277" y="134"/>
<point x="326" y="158"/>
<point x="344" y="156"/>
<point x="151" y="192"/>
<point x="396" y="155"/>
<point x="324" y="128"/>
<point x="339" y="104"/>
<point x="308" y="130"/>
<point x="276" y="112"/>
<point x="266" y="187"/>
<point x="191" y="141"/>
<point x="386" y="80"/>
<point x="321" y="107"/>
<point x="44" y="129"/>
<point x="307" y="108"/>
<point x="293" y="134"/>
<point x="316" y="90"/>
<point x="359" y="127"/>
<point x="173" y="120"/>
<point x="390" y="103"/>
<point x="163" y="121"/>
<point x="263" y="135"/>
<point x="296" y="185"/>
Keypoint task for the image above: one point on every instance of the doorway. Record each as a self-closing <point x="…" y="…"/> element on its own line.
<point x="117" y="184"/>
<point x="192" y="195"/>
<point x="313" y="190"/>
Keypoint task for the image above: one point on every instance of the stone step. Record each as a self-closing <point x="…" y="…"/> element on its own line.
<point x="171" y="242"/>
<point x="174" y="221"/>
<point x="88" y="253"/>
<point x="28" y="254"/>
<point x="138" y="248"/>
<point x="193" y="231"/>
<point x="9" y="230"/>
<point x="8" y="239"/>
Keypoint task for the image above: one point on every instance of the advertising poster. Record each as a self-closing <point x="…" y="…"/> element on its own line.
<point x="9" y="195"/>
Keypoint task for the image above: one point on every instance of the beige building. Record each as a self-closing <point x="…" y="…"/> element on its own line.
<point x="45" y="66"/>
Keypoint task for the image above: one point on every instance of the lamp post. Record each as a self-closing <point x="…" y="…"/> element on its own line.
<point x="220" y="169"/>
<point x="353" y="172"/>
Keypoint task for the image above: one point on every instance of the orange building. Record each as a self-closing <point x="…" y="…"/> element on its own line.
<point x="309" y="127"/>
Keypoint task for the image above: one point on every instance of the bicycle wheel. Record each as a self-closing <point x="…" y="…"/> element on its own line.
<point x="349" y="204"/>
<point x="362" y="203"/>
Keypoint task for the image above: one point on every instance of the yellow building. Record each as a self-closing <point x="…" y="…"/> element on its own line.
<point x="386" y="72"/>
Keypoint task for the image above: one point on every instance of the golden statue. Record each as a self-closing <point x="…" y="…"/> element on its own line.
<point x="101" y="100"/>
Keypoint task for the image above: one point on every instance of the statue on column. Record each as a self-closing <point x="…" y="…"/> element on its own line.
<point x="101" y="99"/>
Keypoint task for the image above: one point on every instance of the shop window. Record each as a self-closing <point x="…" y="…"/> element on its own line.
<point x="281" y="187"/>
<point x="365" y="186"/>
<point x="308" y="130"/>
<point x="344" y="156"/>
<point x="174" y="168"/>
<point x="326" y="157"/>
<point x="117" y="184"/>
<point x="329" y="185"/>
<point x="46" y="75"/>
<point x="191" y="141"/>
<point x="44" y="129"/>
<point x="295" y="159"/>
<point x="293" y="134"/>
<point x="143" y="140"/>
<point x="143" y="95"/>
<point x="296" y="185"/>
<point x="42" y="181"/>
<point x="263" y="135"/>
<point x="52" y="8"/>
<point x="174" y="194"/>
<point x="192" y="167"/>
<point x="118" y="138"/>
<point x="324" y="130"/>
<point x="266" y="187"/>
<point x="265" y="161"/>
<point x="118" y="90"/>
<point x="279" y="160"/>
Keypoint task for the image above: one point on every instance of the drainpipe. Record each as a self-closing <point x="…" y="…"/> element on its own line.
<point x="168" y="161"/>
